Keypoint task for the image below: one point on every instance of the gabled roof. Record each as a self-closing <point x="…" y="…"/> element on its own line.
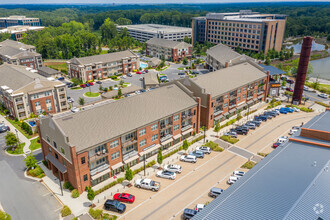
<point x="15" y="44"/>
<point x="168" y="43"/>
<point x="109" y="57"/>
<point x="223" y="53"/>
<point x="150" y="78"/>
<point x="110" y="120"/>
<point x="48" y="70"/>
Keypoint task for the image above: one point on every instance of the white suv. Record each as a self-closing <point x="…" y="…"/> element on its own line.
<point x="173" y="168"/>
<point x="188" y="158"/>
<point x="238" y="173"/>
<point x="204" y="149"/>
<point x="232" y="179"/>
<point x="282" y="139"/>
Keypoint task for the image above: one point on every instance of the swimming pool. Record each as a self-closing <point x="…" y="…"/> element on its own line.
<point x="32" y="123"/>
<point x="143" y="65"/>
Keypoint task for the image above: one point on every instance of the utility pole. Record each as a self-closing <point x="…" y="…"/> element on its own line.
<point x="144" y="164"/>
<point x="59" y="180"/>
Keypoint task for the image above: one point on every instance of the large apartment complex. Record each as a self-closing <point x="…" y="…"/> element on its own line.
<point x="14" y="52"/>
<point x="103" y="66"/>
<point x="16" y="20"/>
<point x="24" y="92"/>
<point x="169" y="49"/>
<point x="144" y="32"/>
<point x="227" y="91"/>
<point x="117" y="135"/>
<point x="247" y="29"/>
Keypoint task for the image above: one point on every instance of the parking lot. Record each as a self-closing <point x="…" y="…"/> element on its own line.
<point x="193" y="184"/>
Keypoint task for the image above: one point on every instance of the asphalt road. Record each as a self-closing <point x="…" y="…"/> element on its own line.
<point x="20" y="197"/>
<point x="314" y="97"/>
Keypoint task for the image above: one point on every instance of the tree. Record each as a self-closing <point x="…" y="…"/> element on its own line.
<point x="128" y="174"/>
<point x="123" y="21"/>
<point x="119" y="93"/>
<point x="184" y="61"/>
<point x="267" y="62"/>
<point x="4" y="216"/>
<point x="11" y="139"/>
<point x="159" y="157"/>
<point x="90" y="193"/>
<point x="239" y="116"/>
<point x="81" y="101"/>
<point x="30" y="161"/>
<point x="100" y="88"/>
<point x="185" y="145"/>
<point x="217" y="128"/>
<point x="316" y="84"/>
<point x="108" y="30"/>
<point x="187" y="40"/>
<point x="283" y="82"/>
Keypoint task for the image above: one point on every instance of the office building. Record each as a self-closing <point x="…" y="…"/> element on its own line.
<point x="246" y="29"/>
<point x="16" y="20"/>
<point x="16" y="32"/>
<point x="144" y="32"/>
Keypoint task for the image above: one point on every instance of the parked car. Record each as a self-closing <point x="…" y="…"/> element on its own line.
<point x="272" y="113"/>
<point x="296" y="109"/>
<point x="60" y="78"/>
<point x="283" y="78"/>
<point x="275" y="145"/>
<point x="173" y="168"/>
<point x="83" y="86"/>
<point x="283" y="111"/>
<point x="98" y="82"/>
<point x="204" y="149"/>
<point x="141" y="78"/>
<point x="323" y="95"/>
<point x="283" y="87"/>
<point x="257" y="123"/>
<point x="290" y="81"/>
<point x="189" y="214"/>
<point x="244" y="127"/>
<point x="166" y="174"/>
<point x="231" y="134"/>
<point x="123" y="76"/>
<point x="70" y="85"/>
<point x="181" y="74"/>
<point x="198" y="154"/>
<point x="215" y="192"/>
<point x="114" y="205"/>
<point x="143" y="90"/>
<point x="137" y="92"/>
<point x="282" y="139"/>
<point x="4" y="128"/>
<point x="232" y="179"/>
<point x="129" y="74"/>
<point x="138" y="72"/>
<point x="241" y="131"/>
<point x="188" y="158"/>
<point x="268" y="116"/>
<point x="288" y="109"/>
<point x="87" y="85"/>
<point x="75" y="109"/>
<point x="146" y="71"/>
<point x="289" y="89"/>
<point x="70" y="99"/>
<point x="251" y="125"/>
<point x="199" y="207"/>
<point x="306" y="88"/>
<point x="91" y="83"/>
<point x="238" y="173"/>
<point x="293" y="131"/>
<point x="147" y="184"/>
<point x="261" y="117"/>
<point x="124" y="197"/>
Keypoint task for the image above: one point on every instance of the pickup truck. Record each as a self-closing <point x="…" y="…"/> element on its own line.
<point x="147" y="184"/>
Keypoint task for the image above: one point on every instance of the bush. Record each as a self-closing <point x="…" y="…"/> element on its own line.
<point x="37" y="172"/>
<point x="150" y="164"/>
<point x="75" y="193"/>
<point x="96" y="214"/>
<point x="229" y="139"/>
<point x="65" y="211"/>
<point x="263" y="154"/>
<point x="67" y="185"/>
<point x="250" y="112"/>
<point x="213" y="146"/>
<point x="45" y="163"/>
<point x="105" y="187"/>
<point x="248" y="165"/>
<point x="323" y="104"/>
<point x="232" y="121"/>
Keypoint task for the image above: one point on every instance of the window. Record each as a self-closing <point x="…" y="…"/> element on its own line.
<point x="226" y="96"/>
<point x="48" y="139"/>
<point x="142" y="132"/>
<point x="54" y="143"/>
<point x="244" y="89"/>
<point x="194" y="112"/>
<point x="176" y="127"/>
<point x="143" y="142"/>
<point x="64" y="163"/>
<point x="212" y="104"/>
<point x="56" y="155"/>
<point x="154" y="127"/>
<point x="48" y="101"/>
<point x="238" y="99"/>
<point x="47" y="93"/>
<point x="211" y="117"/>
<point x="62" y="150"/>
<point x="239" y="91"/>
<point x="115" y="155"/>
<point x="37" y="104"/>
<point x="154" y="137"/>
<point x="244" y="96"/>
<point x="35" y="96"/>
<point x="83" y="161"/>
<point x="49" y="108"/>
<point x="114" y="144"/>
<point x="50" y="150"/>
<point x="85" y="177"/>
<point x="176" y="117"/>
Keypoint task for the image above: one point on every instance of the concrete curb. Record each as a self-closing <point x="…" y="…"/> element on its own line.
<point x="14" y="155"/>
<point x="43" y="183"/>
<point x="30" y="177"/>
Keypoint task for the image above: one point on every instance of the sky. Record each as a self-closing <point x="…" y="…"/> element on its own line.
<point x="139" y="1"/>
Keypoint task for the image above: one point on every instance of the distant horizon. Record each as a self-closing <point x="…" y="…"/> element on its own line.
<point x="149" y="2"/>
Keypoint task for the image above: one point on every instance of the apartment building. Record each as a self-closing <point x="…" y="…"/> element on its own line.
<point x="118" y="134"/>
<point x="16" y="20"/>
<point x="17" y="53"/>
<point x="227" y="91"/>
<point x="247" y="29"/>
<point x="169" y="49"/>
<point x="24" y="92"/>
<point x="103" y="66"/>
<point x="16" y="32"/>
<point x="222" y="56"/>
<point x="144" y="32"/>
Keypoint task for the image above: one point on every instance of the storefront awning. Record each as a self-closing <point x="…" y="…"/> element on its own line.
<point x="167" y="141"/>
<point x="226" y="114"/>
<point x="131" y="159"/>
<point x="218" y="118"/>
<point x="149" y="150"/>
<point x="187" y="131"/>
<point x="100" y="174"/>
<point x="232" y="111"/>
<point x="56" y="163"/>
<point x="116" y="166"/>
<point x="177" y="136"/>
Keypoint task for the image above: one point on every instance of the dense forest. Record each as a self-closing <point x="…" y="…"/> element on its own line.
<point x="81" y="30"/>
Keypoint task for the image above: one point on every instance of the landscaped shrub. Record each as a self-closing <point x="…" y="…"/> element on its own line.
<point x="229" y="139"/>
<point x="105" y="187"/>
<point x="45" y="163"/>
<point x="96" y="214"/>
<point x="75" y="193"/>
<point x="323" y="104"/>
<point x="248" y="165"/>
<point x="37" y="172"/>
<point x="250" y="112"/>
<point x="232" y="121"/>
<point x="120" y="180"/>
<point x="213" y="146"/>
<point x="65" y="211"/>
<point x="67" y="185"/>
<point x="150" y="164"/>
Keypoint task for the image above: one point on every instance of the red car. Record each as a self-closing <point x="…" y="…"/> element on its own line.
<point x="83" y="86"/>
<point x="91" y="83"/>
<point x="275" y="145"/>
<point x="289" y="89"/>
<point x="124" y="197"/>
<point x="138" y="72"/>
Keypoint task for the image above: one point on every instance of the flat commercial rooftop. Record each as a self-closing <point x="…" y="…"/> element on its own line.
<point x="155" y="28"/>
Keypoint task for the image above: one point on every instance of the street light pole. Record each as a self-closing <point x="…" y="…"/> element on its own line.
<point x="59" y="180"/>
<point x="144" y="164"/>
<point x="17" y="136"/>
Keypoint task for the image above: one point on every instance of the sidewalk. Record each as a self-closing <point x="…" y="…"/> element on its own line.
<point x="21" y="137"/>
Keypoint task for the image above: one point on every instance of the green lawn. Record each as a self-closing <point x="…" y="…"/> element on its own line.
<point x="34" y="144"/>
<point x="76" y="88"/>
<point x="91" y="94"/>
<point x="18" y="150"/>
<point x="180" y="68"/>
<point x="59" y="66"/>
<point x="18" y="127"/>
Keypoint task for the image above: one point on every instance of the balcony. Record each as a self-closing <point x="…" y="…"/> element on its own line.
<point x="129" y="142"/>
<point x="249" y="97"/>
<point x="61" y="92"/>
<point x="186" y="127"/>
<point x="165" y="138"/>
<point x="21" y="110"/>
<point x="99" y="169"/>
<point x="129" y="155"/>
<point x="218" y="112"/>
<point x="165" y="126"/>
<point x="185" y="117"/>
<point x="19" y="102"/>
<point x="99" y="155"/>
<point x="232" y="106"/>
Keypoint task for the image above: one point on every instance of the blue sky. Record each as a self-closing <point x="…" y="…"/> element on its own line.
<point x="138" y="1"/>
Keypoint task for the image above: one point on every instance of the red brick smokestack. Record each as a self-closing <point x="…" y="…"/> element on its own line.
<point x="302" y="69"/>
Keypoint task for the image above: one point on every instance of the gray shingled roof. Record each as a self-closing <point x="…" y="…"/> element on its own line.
<point x="105" y="122"/>
<point x="25" y="54"/>
<point x="48" y="70"/>
<point x="292" y="182"/>
<point x="227" y="79"/>
<point x="126" y="90"/>
<point x="168" y="43"/>
<point x="222" y="53"/>
<point x="109" y="57"/>
<point x="15" y="44"/>
<point x="150" y="78"/>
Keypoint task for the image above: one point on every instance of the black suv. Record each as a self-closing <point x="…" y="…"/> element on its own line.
<point x="189" y="213"/>
<point x="113" y="205"/>
<point x="261" y="117"/>
<point x="241" y="131"/>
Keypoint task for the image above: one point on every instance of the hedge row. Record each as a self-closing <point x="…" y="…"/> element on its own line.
<point x="250" y="112"/>
<point x="229" y="139"/>
<point x="304" y="109"/>
<point x="232" y="121"/>
<point x="150" y="164"/>
<point x="213" y="146"/>
<point x="323" y="104"/>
